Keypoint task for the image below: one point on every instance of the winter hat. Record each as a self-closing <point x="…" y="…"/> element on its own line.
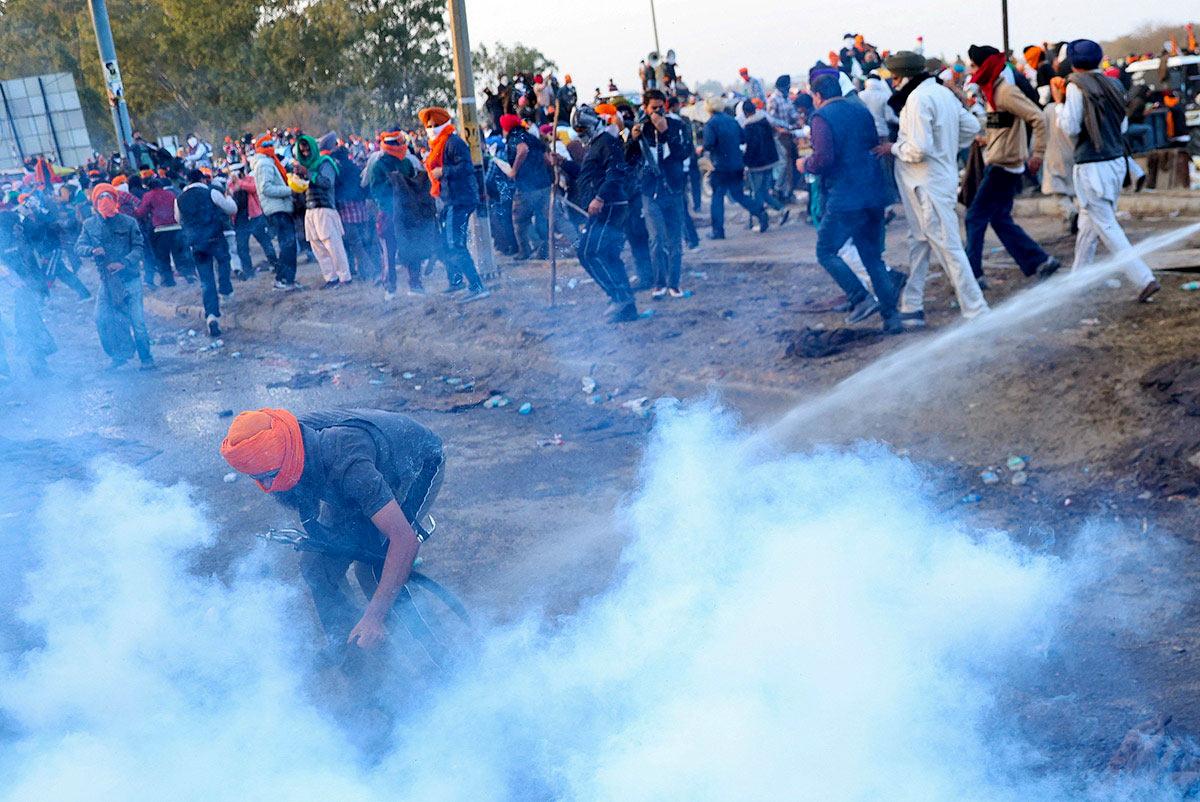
<point x="980" y="53"/>
<point x="906" y="64"/>
<point x="328" y="142"/>
<point x="1085" y="54"/>
<point x="783" y="83"/>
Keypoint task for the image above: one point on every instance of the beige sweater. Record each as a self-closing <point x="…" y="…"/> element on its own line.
<point x="1006" y="138"/>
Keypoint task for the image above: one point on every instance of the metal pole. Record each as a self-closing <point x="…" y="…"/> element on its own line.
<point x="654" y="20"/>
<point x="50" y="121"/>
<point x="112" y="77"/>
<point x="553" y="208"/>
<point x="464" y="83"/>
<point x="1004" y="20"/>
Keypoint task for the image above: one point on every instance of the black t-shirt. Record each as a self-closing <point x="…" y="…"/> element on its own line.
<point x="355" y="462"/>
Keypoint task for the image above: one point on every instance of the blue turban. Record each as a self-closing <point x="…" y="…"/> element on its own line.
<point x="1085" y="54"/>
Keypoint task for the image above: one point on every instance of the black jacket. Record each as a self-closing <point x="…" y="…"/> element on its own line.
<point x="760" y="144"/>
<point x="604" y="171"/>
<point x="662" y="157"/>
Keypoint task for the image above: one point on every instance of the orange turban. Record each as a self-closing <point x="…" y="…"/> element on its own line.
<point x="263" y="441"/>
<point x="607" y="111"/>
<point x="1033" y="56"/>
<point x="433" y="116"/>
<point x="394" y="144"/>
<point x="104" y="198"/>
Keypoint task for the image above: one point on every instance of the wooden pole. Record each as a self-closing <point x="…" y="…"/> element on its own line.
<point x="553" y="204"/>
<point x="464" y="82"/>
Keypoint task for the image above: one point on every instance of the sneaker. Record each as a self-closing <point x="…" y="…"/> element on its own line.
<point x="862" y="310"/>
<point x="843" y="307"/>
<point x="328" y="285"/>
<point x="148" y="364"/>
<point x="284" y="285"/>
<point x="716" y="236"/>
<point x="214" y="330"/>
<point x="416" y="292"/>
<point x="474" y="295"/>
<point x="453" y="288"/>
<point x="1149" y="291"/>
<point x="675" y="292"/>
<point x="785" y="216"/>
<point x="389" y="295"/>
<point x="983" y="283"/>
<point x="240" y="275"/>
<point x="892" y="325"/>
<point x="659" y="293"/>
<point x="912" y="320"/>
<point x="625" y="314"/>
<point x="763" y="221"/>
<point x="1048" y="268"/>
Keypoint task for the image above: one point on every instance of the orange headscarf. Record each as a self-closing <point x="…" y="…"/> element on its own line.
<point x="266" y="440"/>
<point x="437" y="155"/>
<point x="104" y="198"/>
<point x="399" y="150"/>
<point x="1034" y="56"/>
<point x="265" y="145"/>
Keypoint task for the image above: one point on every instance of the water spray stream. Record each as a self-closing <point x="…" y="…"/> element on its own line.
<point x="911" y="365"/>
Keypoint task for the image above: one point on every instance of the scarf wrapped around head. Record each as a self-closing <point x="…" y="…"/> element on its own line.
<point x="393" y="144"/>
<point x="264" y="441"/>
<point x="985" y="77"/>
<point x="265" y="145"/>
<point x="315" y="156"/>
<point x="104" y="198"/>
<point x="1033" y="56"/>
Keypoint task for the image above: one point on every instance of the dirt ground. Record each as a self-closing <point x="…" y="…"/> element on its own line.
<point x="1099" y="397"/>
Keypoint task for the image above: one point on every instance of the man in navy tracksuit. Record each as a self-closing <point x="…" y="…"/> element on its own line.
<point x="601" y="183"/>
<point x="663" y="148"/>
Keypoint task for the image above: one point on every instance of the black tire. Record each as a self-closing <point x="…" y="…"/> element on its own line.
<point x="435" y="619"/>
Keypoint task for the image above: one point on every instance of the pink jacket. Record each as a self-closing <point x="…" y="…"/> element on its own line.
<point x="253" y="207"/>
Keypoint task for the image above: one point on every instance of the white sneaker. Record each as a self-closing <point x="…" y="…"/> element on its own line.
<point x="388" y="295"/>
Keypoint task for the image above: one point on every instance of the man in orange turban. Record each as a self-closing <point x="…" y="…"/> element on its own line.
<point x="362" y="482"/>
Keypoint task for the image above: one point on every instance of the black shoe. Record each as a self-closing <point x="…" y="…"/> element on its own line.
<point x="1073" y="223"/>
<point x="717" y="236"/>
<point x="785" y="216"/>
<point x="912" y="320"/>
<point x="763" y="222"/>
<point x="148" y="364"/>
<point x="214" y="329"/>
<point x="844" y="306"/>
<point x="862" y="310"/>
<point x="626" y="314"/>
<point x="328" y="285"/>
<point x="899" y="279"/>
<point x="1048" y="268"/>
<point x="1140" y="184"/>
<point x="453" y="288"/>
<point x="983" y="283"/>
<point x="892" y="325"/>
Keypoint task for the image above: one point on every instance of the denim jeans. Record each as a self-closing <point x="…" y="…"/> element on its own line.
<point x="761" y="182"/>
<point x="283" y="226"/>
<point x="728" y="183"/>
<point x="664" y="219"/>
<point x="600" y="252"/>
<point x="1140" y="137"/>
<point x="459" y="264"/>
<point x="203" y="256"/>
<point x="993" y="206"/>
<point x="865" y="228"/>
<point x="116" y="323"/>
<point x="255" y="227"/>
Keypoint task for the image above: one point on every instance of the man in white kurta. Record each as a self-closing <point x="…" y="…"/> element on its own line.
<point x="934" y="126"/>
<point x="1098" y="182"/>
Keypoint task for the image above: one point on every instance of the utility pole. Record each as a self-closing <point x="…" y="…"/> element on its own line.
<point x="112" y="77"/>
<point x="654" y="21"/>
<point x="1004" y="22"/>
<point x="464" y="83"/>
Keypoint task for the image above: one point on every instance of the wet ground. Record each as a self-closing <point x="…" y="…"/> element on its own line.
<point x="526" y="515"/>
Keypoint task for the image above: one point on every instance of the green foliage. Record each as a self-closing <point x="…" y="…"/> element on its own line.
<point x="223" y="66"/>
<point x="508" y="60"/>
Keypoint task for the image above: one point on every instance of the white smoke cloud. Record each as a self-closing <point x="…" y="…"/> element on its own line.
<point x="784" y="626"/>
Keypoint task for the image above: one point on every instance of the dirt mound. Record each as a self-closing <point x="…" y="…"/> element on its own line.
<point x="1169" y="465"/>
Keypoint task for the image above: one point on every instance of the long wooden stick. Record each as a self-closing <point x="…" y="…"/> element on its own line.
<point x="553" y="198"/>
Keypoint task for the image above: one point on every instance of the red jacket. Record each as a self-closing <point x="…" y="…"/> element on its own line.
<point x="253" y="207"/>
<point x="159" y="204"/>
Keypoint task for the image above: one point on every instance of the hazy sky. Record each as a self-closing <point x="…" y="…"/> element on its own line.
<point x="596" y="39"/>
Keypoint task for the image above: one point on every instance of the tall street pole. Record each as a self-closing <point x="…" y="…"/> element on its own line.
<point x="112" y="77"/>
<point x="1004" y="21"/>
<point x="464" y="83"/>
<point x="654" y="21"/>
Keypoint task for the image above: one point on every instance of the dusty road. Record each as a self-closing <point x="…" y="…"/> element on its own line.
<point x="526" y="521"/>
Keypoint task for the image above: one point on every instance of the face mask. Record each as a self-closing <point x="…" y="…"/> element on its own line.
<point x="431" y="134"/>
<point x="192" y="141"/>
<point x="106" y="206"/>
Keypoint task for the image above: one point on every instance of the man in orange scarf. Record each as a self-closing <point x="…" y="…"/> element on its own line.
<point x="362" y="482"/>
<point x="456" y="187"/>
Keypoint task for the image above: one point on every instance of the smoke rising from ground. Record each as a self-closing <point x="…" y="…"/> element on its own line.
<point x="784" y="626"/>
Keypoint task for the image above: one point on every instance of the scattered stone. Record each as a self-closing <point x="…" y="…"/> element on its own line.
<point x="418" y="386"/>
<point x="556" y="440"/>
<point x="1145" y="495"/>
<point x="646" y="314"/>
<point x="817" y="343"/>
<point x="496" y="401"/>
<point x="1090" y="321"/>
<point x="236" y="355"/>
<point x="688" y="293"/>
<point x="1016" y="464"/>
<point x="525" y="409"/>
<point x="638" y="406"/>
<point x="989" y="477"/>
<point x="408" y="375"/>
<point x="589" y="384"/>
<point x="572" y="283"/>
<point x="191" y="332"/>
<point x="1190" y="286"/>
<point x="225" y="413"/>
<point x="700" y="274"/>
<point x="971" y="498"/>
<point x="1019" y="478"/>
<point x="230" y="477"/>
<point x="376" y="381"/>
<point x="453" y="380"/>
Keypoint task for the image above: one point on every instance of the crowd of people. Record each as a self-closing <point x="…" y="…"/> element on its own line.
<point x="865" y="135"/>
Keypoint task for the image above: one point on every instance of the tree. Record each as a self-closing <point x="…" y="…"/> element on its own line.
<point x="499" y="59"/>
<point x="1148" y="38"/>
